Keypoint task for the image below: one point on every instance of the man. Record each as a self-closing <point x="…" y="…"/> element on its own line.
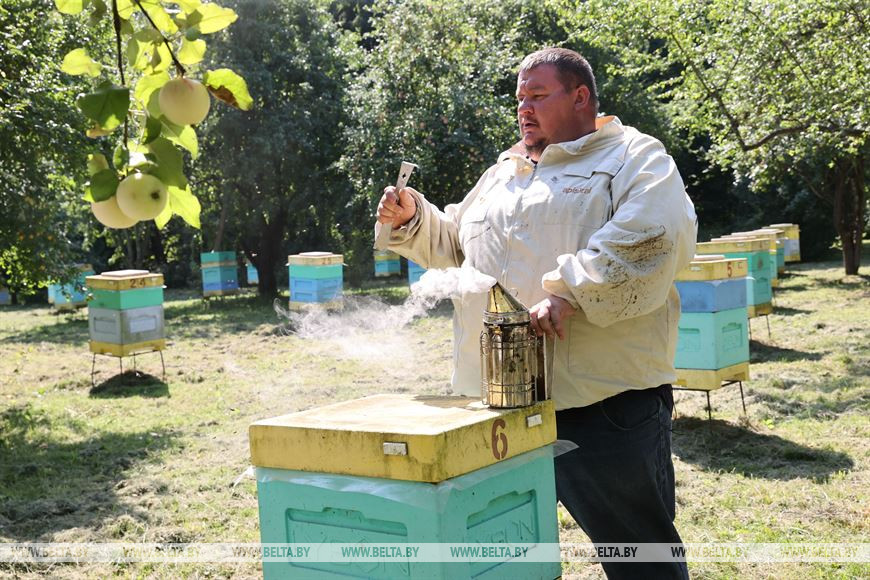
<point x="588" y="221"/>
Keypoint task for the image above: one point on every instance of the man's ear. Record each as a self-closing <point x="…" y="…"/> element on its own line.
<point x="582" y="94"/>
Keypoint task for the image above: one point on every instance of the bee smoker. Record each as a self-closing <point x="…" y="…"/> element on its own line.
<point x="512" y="360"/>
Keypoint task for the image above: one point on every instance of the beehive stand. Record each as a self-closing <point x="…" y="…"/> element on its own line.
<point x="737" y="377"/>
<point x="712" y="346"/>
<point x="120" y="300"/>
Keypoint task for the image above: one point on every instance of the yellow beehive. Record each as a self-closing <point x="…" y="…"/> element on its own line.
<point x="386" y="256"/>
<point x="710" y="380"/>
<point x="792" y="231"/>
<point x="792" y="246"/>
<point x="771" y="234"/>
<point x="402" y="437"/>
<point x="119" y="350"/>
<point x="124" y="280"/>
<point x="713" y="267"/>
<point x="730" y="245"/>
<point x="753" y="310"/>
<point x="314" y="259"/>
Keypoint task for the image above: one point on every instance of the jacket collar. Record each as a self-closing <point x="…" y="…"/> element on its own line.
<point x="607" y="130"/>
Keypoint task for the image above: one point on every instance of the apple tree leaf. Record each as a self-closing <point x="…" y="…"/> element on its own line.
<point x="125" y="8"/>
<point x="163" y="217"/>
<point x="185" y="204"/>
<point x="170" y="163"/>
<point x="107" y="105"/>
<point x="153" y="129"/>
<point x="102" y="185"/>
<point x="189" y="6"/>
<point x="228" y="87"/>
<point x="79" y="62"/>
<point x="183" y="136"/>
<point x="149" y="84"/>
<point x="70" y="6"/>
<point x="210" y="18"/>
<point x="191" y="52"/>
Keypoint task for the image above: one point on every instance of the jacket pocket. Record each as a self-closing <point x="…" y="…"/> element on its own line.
<point x="619" y="354"/>
<point x="582" y="196"/>
<point x="474" y="223"/>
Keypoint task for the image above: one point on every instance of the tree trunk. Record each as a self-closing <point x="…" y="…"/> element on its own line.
<point x="219" y="238"/>
<point x="848" y="193"/>
<point x="269" y="254"/>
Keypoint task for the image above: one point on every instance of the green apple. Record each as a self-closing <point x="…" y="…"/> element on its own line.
<point x="141" y="196"/>
<point x="110" y="215"/>
<point x="184" y="101"/>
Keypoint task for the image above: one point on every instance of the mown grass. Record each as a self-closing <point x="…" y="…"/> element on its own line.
<point x="141" y="458"/>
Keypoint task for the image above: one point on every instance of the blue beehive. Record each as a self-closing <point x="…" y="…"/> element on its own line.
<point x="72" y="294"/>
<point x="713" y="336"/>
<point x="315" y="278"/>
<point x="403" y="470"/>
<point x="712" y="295"/>
<point x="5" y="298"/>
<point x="220" y="274"/>
<point x="757" y="254"/>
<point x="712" y="340"/>
<point x="387" y="263"/>
<point x="414" y="272"/>
<point x="252" y="274"/>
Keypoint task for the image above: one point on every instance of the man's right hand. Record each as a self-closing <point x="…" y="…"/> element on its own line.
<point x="397" y="210"/>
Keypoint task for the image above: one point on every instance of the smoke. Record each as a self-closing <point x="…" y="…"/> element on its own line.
<point x="367" y="327"/>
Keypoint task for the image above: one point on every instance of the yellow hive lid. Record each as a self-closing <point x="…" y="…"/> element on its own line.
<point x="314" y="259"/>
<point x="713" y="267"/>
<point x="732" y="245"/>
<point x="792" y="231"/>
<point x="403" y="437"/>
<point x="124" y="280"/>
<point x="769" y="235"/>
<point x="386" y="255"/>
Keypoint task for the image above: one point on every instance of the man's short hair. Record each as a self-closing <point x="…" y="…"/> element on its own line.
<point x="573" y="69"/>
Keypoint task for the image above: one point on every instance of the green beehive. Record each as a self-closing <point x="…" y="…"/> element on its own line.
<point x="712" y="340"/>
<point x="126" y="313"/>
<point x="408" y="470"/>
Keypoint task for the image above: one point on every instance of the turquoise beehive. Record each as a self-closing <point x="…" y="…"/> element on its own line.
<point x="315" y="278"/>
<point x="712" y="340"/>
<point x="220" y="276"/>
<point x="387" y="263"/>
<point x="72" y="294"/>
<point x="415" y="271"/>
<point x="408" y="470"/>
<point x="252" y="275"/>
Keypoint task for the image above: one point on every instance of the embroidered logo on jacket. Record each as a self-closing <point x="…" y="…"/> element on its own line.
<point x="576" y="190"/>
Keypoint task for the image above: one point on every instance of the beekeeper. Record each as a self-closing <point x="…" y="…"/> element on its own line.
<point x="588" y="221"/>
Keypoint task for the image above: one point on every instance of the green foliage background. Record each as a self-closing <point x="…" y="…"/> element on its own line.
<point x="344" y="90"/>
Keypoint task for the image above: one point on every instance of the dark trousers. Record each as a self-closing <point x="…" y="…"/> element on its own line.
<point x="619" y="483"/>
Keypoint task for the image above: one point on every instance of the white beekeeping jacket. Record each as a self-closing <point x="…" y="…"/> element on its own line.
<point x="603" y="222"/>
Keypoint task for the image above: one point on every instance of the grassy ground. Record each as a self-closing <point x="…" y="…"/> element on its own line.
<point x="139" y="459"/>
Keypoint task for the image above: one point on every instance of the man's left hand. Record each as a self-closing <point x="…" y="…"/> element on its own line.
<point x="549" y="314"/>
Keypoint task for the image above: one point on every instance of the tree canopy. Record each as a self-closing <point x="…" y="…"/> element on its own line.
<point x="42" y="152"/>
<point x="269" y="172"/>
<point x="779" y="88"/>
